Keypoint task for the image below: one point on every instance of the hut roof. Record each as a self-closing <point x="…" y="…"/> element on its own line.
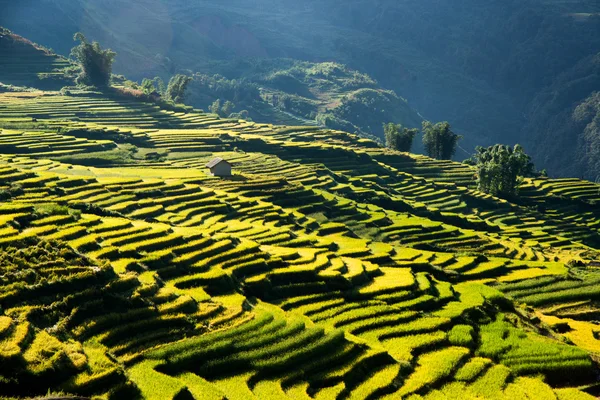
<point x="216" y="161"/>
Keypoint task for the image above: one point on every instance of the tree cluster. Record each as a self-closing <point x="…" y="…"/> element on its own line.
<point x="236" y="90"/>
<point x="153" y="87"/>
<point x="439" y="140"/>
<point x="176" y="89"/>
<point x="398" y="137"/>
<point x="224" y="110"/>
<point x="500" y="169"/>
<point x="96" y="63"/>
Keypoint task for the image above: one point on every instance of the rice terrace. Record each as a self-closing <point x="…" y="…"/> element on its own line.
<point x="326" y="266"/>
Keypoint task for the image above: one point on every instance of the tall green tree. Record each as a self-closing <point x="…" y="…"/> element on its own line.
<point x="215" y="107"/>
<point x="398" y="137"/>
<point x="96" y="63"/>
<point x="148" y="87"/>
<point x="177" y="87"/>
<point x="439" y="140"/>
<point x="224" y="110"/>
<point x="501" y="168"/>
<point x="227" y="109"/>
<point x="160" y="85"/>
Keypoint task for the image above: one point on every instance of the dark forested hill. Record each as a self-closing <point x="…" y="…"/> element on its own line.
<point x="499" y="70"/>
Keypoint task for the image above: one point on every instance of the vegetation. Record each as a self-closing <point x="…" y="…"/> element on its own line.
<point x="224" y="110"/>
<point x="295" y="92"/>
<point x="178" y="84"/>
<point x="95" y="62"/>
<point x="150" y="88"/>
<point x="524" y="88"/>
<point x="439" y="140"/>
<point x="327" y="267"/>
<point x="500" y="169"/>
<point x="398" y="137"/>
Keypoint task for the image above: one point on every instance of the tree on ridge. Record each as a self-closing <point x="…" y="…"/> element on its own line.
<point x="500" y="169"/>
<point x="439" y="140"/>
<point x="96" y="63"/>
<point x="398" y="137"/>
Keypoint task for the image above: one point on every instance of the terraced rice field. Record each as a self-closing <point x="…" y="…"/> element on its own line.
<point x="25" y="64"/>
<point x="326" y="267"/>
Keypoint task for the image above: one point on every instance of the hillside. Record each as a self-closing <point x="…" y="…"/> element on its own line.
<point x="326" y="267"/>
<point x="493" y="69"/>
<point x="27" y="64"/>
<point x="285" y="91"/>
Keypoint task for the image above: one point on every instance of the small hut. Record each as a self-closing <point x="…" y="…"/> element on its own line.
<point x="219" y="167"/>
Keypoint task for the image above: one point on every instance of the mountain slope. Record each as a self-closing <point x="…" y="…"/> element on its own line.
<point x="29" y="65"/>
<point x="478" y="65"/>
<point x="325" y="267"/>
<point x="329" y="94"/>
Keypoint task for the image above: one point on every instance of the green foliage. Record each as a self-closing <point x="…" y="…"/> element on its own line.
<point x="50" y="209"/>
<point x="474" y="367"/>
<point x="500" y="169"/>
<point x="330" y="94"/>
<point x="369" y="108"/>
<point x="227" y="108"/>
<point x="439" y="140"/>
<point x="330" y="120"/>
<point x="215" y="107"/>
<point x="217" y="86"/>
<point x="177" y="86"/>
<point x="160" y="85"/>
<point x="96" y="63"/>
<point x="530" y="353"/>
<point x="433" y="367"/>
<point x="587" y="116"/>
<point x="112" y="157"/>
<point x="398" y="137"/>
<point x="224" y="110"/>
<point x="148" y="87"/>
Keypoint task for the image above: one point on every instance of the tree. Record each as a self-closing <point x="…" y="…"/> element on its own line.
<point x="177" y="86"/>
<point x="148" y="87"/>
<point x="227" y="109"/>
<point x="439" y="140"/>
<point x="96" y="63"/>
<point x="500" y="169"/>
<point x="398" y="137"/>
<point x="215" y="107"/>
<point x="222" y="111"/>
<point x="160" y="85"/>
